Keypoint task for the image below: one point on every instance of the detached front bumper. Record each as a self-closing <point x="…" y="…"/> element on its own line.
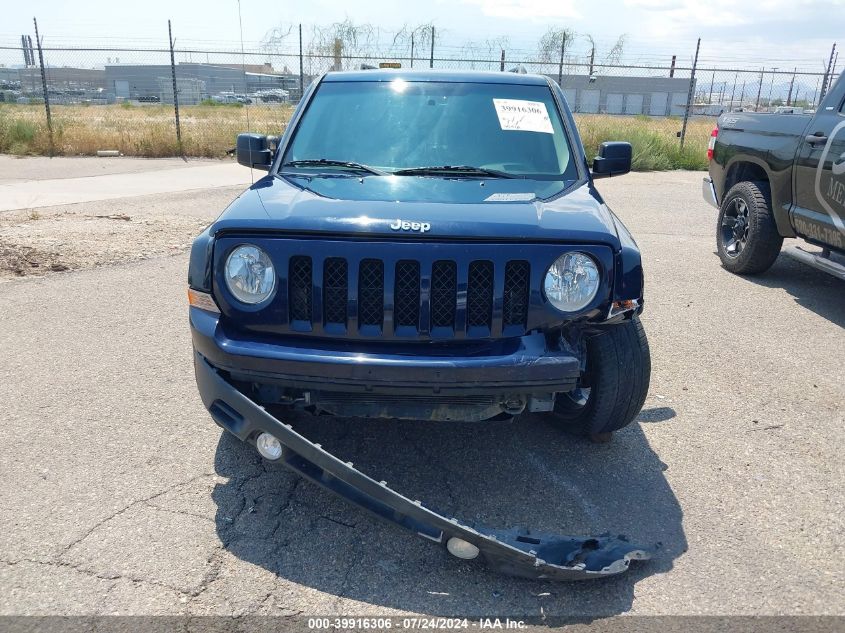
<point x="511" y="552"/>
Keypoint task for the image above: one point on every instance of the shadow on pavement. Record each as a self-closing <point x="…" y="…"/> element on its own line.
<point x="811" y="288"/>
<point x="501" y="474"/>
<point x="656" y="414"/>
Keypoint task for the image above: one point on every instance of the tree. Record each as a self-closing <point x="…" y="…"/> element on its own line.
<point x="552" y="42"/>
<point x="487" y="52"/>
<point x="276" y="40"/>
<point x="614" y="56"/>
<point x="421" y="37"/>
<point x="342" y="40"/>
<point x="557" y="38"/>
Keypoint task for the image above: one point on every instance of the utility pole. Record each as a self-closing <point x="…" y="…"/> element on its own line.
<point x="502" y="63"/>
<point x="672" y="67"/>
<point x="759" y="90"/>
<point x="710" y="94"/>
<point x="742" y="95"/>
<point x="827" y="72"/>
<point x="592" y="59"/>
<point x="562" y="52"/>
<point x="412" y="50"/>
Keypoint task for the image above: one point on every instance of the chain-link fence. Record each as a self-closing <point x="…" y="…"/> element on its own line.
<point x="176" y="100"/>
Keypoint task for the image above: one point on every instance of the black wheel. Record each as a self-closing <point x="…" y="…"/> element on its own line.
<point x="747" y="237"/>
<point x="614" y="386"/>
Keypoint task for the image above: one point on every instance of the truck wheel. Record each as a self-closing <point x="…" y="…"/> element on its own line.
<point x="747" y="237"/>
<point x="614" y="386"/>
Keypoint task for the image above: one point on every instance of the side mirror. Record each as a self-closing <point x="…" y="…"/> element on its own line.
<point x="614" y="159"/>
<point x="253" y="150"/>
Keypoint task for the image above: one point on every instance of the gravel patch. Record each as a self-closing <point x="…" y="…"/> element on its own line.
<point x="36" y="243"/>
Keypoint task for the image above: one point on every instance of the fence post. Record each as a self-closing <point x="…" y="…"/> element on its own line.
<point x="791" y="86"/>
<point x="301" y="79"/>
<point x="690" y="94"/>
<point x="733" y="92"/>
<point x="175" y="92"/>
<point x="560" y="65"/>
<point x="824" y="79"/>
<point x="502" y="64"/>
<point x="759" y="89"/>
<point x="44" y="88"/>
<point x="431" y="59"/>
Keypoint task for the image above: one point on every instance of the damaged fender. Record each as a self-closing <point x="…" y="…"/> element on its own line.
<point x="513" y="552"/>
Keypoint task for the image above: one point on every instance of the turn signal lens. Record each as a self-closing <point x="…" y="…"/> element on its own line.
<point x="202" y="300"/>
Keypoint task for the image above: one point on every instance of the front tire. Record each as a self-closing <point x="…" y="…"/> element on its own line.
<point x="614" y="386"/>
<point x="747" y="237"/>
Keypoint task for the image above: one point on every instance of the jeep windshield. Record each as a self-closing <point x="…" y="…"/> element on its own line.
<point x="431" y="128"/>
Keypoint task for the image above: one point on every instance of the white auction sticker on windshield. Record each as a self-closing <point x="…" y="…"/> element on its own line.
<point x="525" y="116"/>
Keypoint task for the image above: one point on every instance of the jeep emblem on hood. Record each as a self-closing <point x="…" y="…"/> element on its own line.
<point x="402" y="225"/>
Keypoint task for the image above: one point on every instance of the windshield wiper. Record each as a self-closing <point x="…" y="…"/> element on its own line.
<point x="328" y="162"/>
<point x="453" y="170"/>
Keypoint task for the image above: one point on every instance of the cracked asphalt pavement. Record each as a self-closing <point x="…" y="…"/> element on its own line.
<point x="119" y="495"/>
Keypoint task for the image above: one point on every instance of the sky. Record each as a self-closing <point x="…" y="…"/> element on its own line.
<point x="781" y="33"/>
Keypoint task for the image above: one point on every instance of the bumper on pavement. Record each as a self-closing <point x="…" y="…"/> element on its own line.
<point x="507" y="551"/>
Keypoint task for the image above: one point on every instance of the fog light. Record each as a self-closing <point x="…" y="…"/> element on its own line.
<point x="460" y="548"/>
<point x="269" y="447"/>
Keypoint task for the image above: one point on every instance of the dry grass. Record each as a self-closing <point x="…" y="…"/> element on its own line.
<point x="149" y="130"/>
<point x="655" y="141"/>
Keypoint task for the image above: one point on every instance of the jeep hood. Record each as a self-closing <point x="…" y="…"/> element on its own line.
<point x="492" y="208"/>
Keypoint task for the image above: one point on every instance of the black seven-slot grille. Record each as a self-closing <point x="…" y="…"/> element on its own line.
<point x="420" y="297"/>
<point x="299" y="297"/>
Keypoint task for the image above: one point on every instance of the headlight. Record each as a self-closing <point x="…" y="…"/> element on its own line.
<point x="572" y="282"/>
<point x="249" y="274"/>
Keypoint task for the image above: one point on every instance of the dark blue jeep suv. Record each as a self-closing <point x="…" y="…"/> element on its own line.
<point x="425" y="245"/>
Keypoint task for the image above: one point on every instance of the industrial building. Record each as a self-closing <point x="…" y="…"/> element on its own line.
<point x="62" y="79"/>
<point x="194" y="81"/>
<point x="655" y="96"/>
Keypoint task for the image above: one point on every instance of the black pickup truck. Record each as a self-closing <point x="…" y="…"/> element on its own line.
<point x="780" y="175"/>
